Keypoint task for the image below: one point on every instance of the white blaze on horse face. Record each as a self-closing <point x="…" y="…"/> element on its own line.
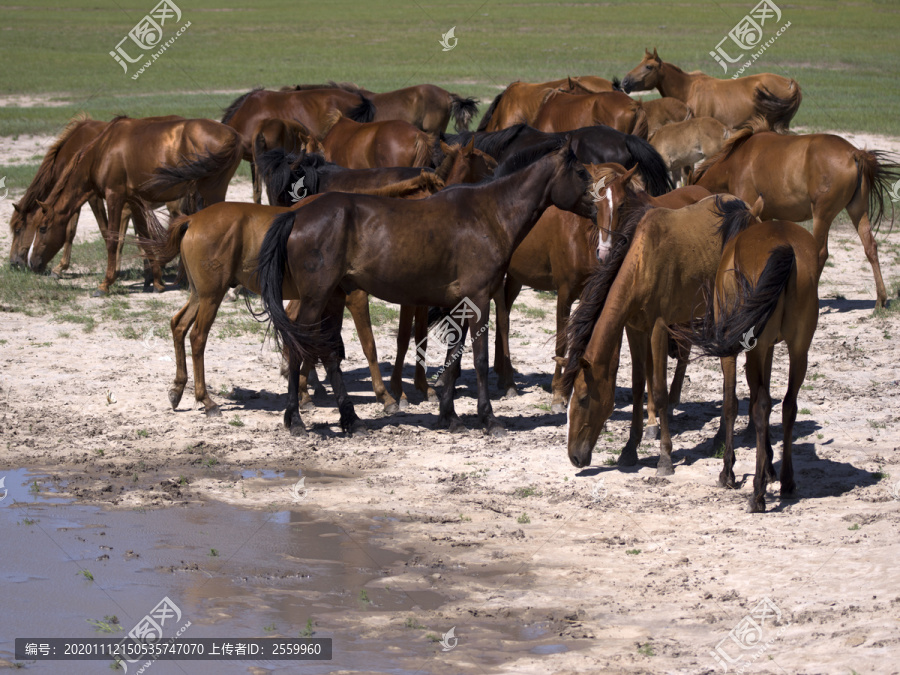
<point x="31" y="248"/>
<point x="603" y="246"/>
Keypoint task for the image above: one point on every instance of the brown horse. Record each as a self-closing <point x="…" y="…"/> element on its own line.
<point x="520" y="101"/>
<point x="732" y="102"/>
<point x="276" y="133"/>
<point x="765" y="292"/>
<point x="357" y="145"/>
<point x="663" y="111"/>
<point x="425" y="106"/>
<point x="561" y="252"/>
<point x="683" y="144"/>
<point x="567" y="112"/>
<point x="403" y="251"/>
<point x="811" y="176"/>
<point x="138" y="162"/>
<point x="650" y="281"/>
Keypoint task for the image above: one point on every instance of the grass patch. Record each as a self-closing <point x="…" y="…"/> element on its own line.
<point x="633" y="551"/>
<point x="528" y="491"/>
<point x="523" y="519"/>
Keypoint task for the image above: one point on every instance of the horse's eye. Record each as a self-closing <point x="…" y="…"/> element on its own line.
<point x="43" y="230"/>
<point x="647" y="67"/>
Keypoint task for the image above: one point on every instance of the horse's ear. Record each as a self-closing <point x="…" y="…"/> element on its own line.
<point x="43" y="206"/>
<point x="571" y="84"/>
<point x="16" y="207"/>
<point x="444" y="147"/>
<point x="470" y="146"/>
<point x="757" y="208"/>
<point x="561" y="360"/>
<point x="584" y="363"/>
<point x="655" y="55"/>
<point x="628" y="175"/>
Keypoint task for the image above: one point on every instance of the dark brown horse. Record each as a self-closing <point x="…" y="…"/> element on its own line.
<point x="811" y="176"/>
<point x="567" y="112"/>
<point x="403" y="251"/>
<point x="732" y="102"/>
<point x="357" y="145"/>
<point x="650" y="281"/>
<point x="138" y="162"/>
<point x="276" y="133"/>
<point x="520" y="101"/>
<point x="766" y="290"/>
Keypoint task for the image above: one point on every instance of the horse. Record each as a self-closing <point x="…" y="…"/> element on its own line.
<point x="732" y="102"/>
<point x="449" y="250"/>
<point x="567" y="112"/>
<point x="592" y="145"/>
<point x="663" y="111"/>
<point x="655" y="270"/>
<point x="559" y="255"/>
<point x="138" y="162"/>
<point x="275" y="133"/>
<point x="369" y="145"/>
<point x="683" y="144"/>
<point x="801" y="177"/>
<point x="309" y="107"/>
<point x="766" y="291"/>
<point x="520" y="101"/>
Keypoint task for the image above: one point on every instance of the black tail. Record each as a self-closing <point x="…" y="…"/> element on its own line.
<point x="650" y="164"/>
<point x="236" y="104"/>
<point x="617" y="84"/>
<point x="462" y="110"/>
<point x="364" y="112"/>
<point x="736" y="217"/>
<point x="274" y="168"/>
<point x="778" y="111"/>
<point x="749" y="311"/>
<point x="302" y="342"/>
<point x="482" y="125"/>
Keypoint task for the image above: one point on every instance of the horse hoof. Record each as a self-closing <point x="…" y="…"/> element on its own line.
<point x="298" y="430"/>
<point x="756" y="506"/>
<point x="156" y="289"/>
<point x="788" y="492"/>
<point x="726" y="482"/>
<point x="358" y="428"/>
<point x="456" y="426"/>
<point x="99" y="293"/>
<point x="55" y="275"/>
<point x="627" y="459"/>
<point x="651" y="433"/>
<point x="432" y="396"/>
<point x="511" y="392"/>
<point x="403" y="404"/>
<point x="496" y="430"/>
<point x="175" y="397"/>
<point x="307" y="405"/>
<point x="664" y="469"/>
<point x="557" y="408"/>
<point x="391" y="408"/>
<point x="213" y="412"/>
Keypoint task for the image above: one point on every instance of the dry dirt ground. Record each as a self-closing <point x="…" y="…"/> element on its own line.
<point x="628" y="572"/>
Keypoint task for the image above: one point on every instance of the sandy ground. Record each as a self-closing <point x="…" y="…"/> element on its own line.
<point x="631" y="573"/>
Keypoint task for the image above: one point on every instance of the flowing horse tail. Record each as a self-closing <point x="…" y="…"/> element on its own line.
<point x="275" y="170"/>
<point x="424" y="148"/>
<point x="650" y="165"/>
<point x="640" y="128"/>
<point x="482" y="125"/>
<point x="364" y="111"/>
<point x="462" y="110"/>
<point x="301" y="342"/>
<point x="778" y="111"/>
<point x="750" y="309"/>
<point x="875" y="179"/>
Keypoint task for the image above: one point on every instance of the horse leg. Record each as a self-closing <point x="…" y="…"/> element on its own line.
<point x="306" y="402"/>
<point x="114" y="203"/>
<point x="820" y="233"/>
<point x="292" y="419"/>
<point x="857" y="211"/>
<point x="332" y="318"/>
<point x="798" y="361"/>
<point x="257" y="183"/>
<point x="659" y="351"/>
<point x="767" y="385"/>
<point x="71" y="227"/>
<point x="120" y="245"/>
<point x="683" y="355"/>
<point x="358" y="304"/>
<point x="421" y="381"/>
<point x="478" y="326"/>
<point x="404" y="333"/>
<point x="180" y="324"/>
<point x="205" y="315"/>
<point x="639" y="346"/>
<point x="502" y="361"/>
<point x="447" y="417"/>
<point x="139" y="219"/>
<point x="762" y="406"/>
<point x="729" y="414"/>
<point x="563" y="308"/>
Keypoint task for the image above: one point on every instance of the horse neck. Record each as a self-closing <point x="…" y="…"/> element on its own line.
<point x="78" y="185"/>
<point x="607" y="334"/>
<point x="673" y="82"/>
<point x="516" y="202"/>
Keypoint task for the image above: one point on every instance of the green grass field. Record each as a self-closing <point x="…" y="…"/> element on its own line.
<point x="846" y="56"/>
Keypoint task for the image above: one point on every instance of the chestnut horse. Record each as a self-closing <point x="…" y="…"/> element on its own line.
<point x="138" y="162"/>
<point x="559" y="255"/>
<point x="520" y="101"/>
<point x="766" y="287"/>
<point x="567" y="112"/>
<point x="732" y="102"/>
<point x="275" y="133"/>
<point x="663" y="111"/>
<point x="811" y="176"/>
<point x="683" y="144"/>
<point x="403" y="251"/>
<point x="370" y="145"/>
<point x="650" y="281"/>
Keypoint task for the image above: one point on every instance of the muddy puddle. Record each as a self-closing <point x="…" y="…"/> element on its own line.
<point x="72" y="570"/>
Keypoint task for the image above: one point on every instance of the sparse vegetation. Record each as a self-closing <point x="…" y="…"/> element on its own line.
<point x="523" y="519"/>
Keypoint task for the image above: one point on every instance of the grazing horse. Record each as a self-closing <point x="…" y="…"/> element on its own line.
<point x="663" y="111"/>
<point x="138" y="162"/>
<point x="811" y="176"/>
<point x="370" y="145"/>
<point x="650" y="281"/>
<point x="683" y="144"/>
<point x="592" y="145"/>
<point x="559" y="255"/>
<point x="766" y="287"/>
<point x="732" y="102"/>
<point x="403" y="251"/>
<point x="276" y="133"/>
<point x="520" y="101"/>
<point x="567" y="112"/>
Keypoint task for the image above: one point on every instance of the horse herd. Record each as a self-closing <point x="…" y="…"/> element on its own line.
<point x="566" y="186"/>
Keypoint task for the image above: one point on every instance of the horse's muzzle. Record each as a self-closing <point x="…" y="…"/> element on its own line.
<point x="627" y="84"/>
